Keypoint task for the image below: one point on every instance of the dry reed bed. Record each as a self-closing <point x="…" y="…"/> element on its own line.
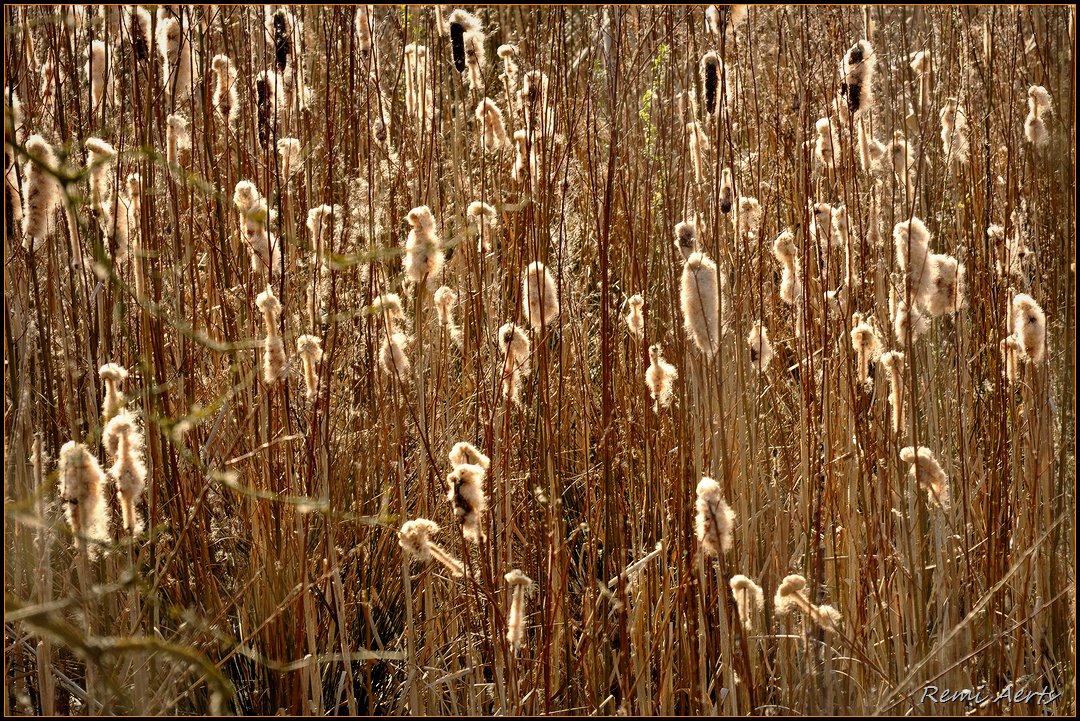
<point x="736" y="446"/>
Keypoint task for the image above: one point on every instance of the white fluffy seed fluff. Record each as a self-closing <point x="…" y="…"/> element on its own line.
<point x="363" y="27"/>
<point x="1010" y="358"/>
<point x="465" y="491"/>
<point x="867" y="346"/>
<point x="392" y="358"/>
<point x="262" y="245"/>
<point x="858" y="77"/>
<point x="635" y="319"/>
<point x="761" y="351"/>
<point x="954" y="141"/>
<point x="715" y="519"/>
<point x="1039" y="105"/>
<point x="786" y="254"/>
<point x="124" y="443"/>
<point x="541" y="305"/>
<point x="686" y="237"/>
<point x="912" y="241"/>
<point x="928" y="473"/>
<point x="660" y="377"/>
<point x="893" y="362"/>
<point x="484" y="219"/>
<point x="388" y="308"/>
<point x="698" y="143"/>
<point x="97" y="68"/>
<point x="515" y="348"/>
<point x="903" y="163"/>
<point x="947" y="280"/>
<point x="536" y="101"/>
<point x="727" y="191"/>
<point x="137" y="30"/>
<point x="289" y="151"/>
<point x="824" y="146"/>
<point x="177" y="137"/>
<point x="465" y="453"/>
<point x="100" y="163"/>
<point x="319" y="220"/>
<point x="174" y="44"/>
<point x="226" y="100"/>
<point x="921" y="64"/>
<point x="423" y="247"/>
<point x="748" y="597"/>
<point x="515" y="620"/>
<point x="113" y="376"/>
<point x="415" y="539"/>
<point x="1029" y="327"/>
<point x="492" y="126"/>
<point x="309" y="348"/>
<point x="749" y="216"/>
<point x="445" y="300"/>
<point x="81" y="482"/>
<point x="789" y="595"/>
<point x="274" y="366"/>
<point x="821" y="216"/>
<point x="700" y="301"/>
<point x="840" y="229"/>
<point x="906" y="320"/>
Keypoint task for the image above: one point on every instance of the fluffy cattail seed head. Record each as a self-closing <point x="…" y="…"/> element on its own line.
<point x="635" y="320"/>
<point x="541" y="296"/>
<point x="445" y="299"/>
<point x="954" y="131"/>
<point x="727" y="191"/>
<point x="1029" y="327"/>
<point x="715" y="519"/>
<point x="113" y="375"/>
<point x="392" y="358"/>
<point x="912" y="241"/>
<point x="789" y="595"/>
<point x="660" y="377"/>
<point x="928" y="473"/>
<point x="515" y="620"/>
<point x="515" y="348"/>
<point x="309" y="348"/>
<point x="465" y="453"/>
<point x="423" y="247"/>
<point x="686" y="237"/>
<point x="125" y="443"/>
<point x="81" y="481"/>
<point x="700" y="301"/>
<point x="893" y="362"/>
<point x="465" y="491"/>
<point x="1038" y="106"/>
<point x="761" y="351"/>
<point x="748" y="597"/>
<point x="415" y="539"/>
<point x="493" y="127"/>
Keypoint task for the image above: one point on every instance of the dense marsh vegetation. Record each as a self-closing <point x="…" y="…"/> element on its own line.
<point x="634" y="360"/>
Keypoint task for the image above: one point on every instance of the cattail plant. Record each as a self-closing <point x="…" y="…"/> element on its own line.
<point x="461" y="23"/>
<point x="541" y="296"/>
<point x="423" y="247"/>
<point x="177" y="137"/>
<point x="1010" y="357"/>
<point x="821" y="230"/>
<point x="137" y="27"/>
<point x="840" y="237"/>
<point x="415" y="540"/>
<point x="761" y="351"/>
<point x="893" y="362"/>
<point x="825" y="145"/>
<point x="493" y="128"/>
<point x="289" y="150"/>
<point x="134" y="183"/>
<point x="465" y="453"/>
<point x="727" y="191"/>
<point x="417" y="95"/>
<point x="1015" y="249"/>
<point x="515" y="620"/>
<point x="686" y="233"/>
<point x="81" y="481"/>
<point x="660" y="377"/>
<point x="698" y="143"/>
<point x="710" y="79"/>
<point x="41" y="189"/>
<point x="226" y="100"/>
<point x="445" y="299"/>
<point x="712" y="20"/>
<point x="274" y="367"/>
<point x="920" y="63"/>
<point x="261" y="243"/>
<point x="749" y="216"/>
<point x="309" y="348"/>
<point x="906" y="320"/>
<point x="97" y="68"/>
<point x="525" y="161"/>
<point x="174" y="44"/>
<point x="946" y="292"/>
<point x="484" y="219"/>
<point x="871" y="151"/>
<point x="318" y="224"/>
<point x="465" y="491"/>
<point x="100" y="161"/>
<point x="903" y="163"/>
<point x="635" y="319"/>
<point x="363" y="22"/>
<point x="928" y="474"/>
<point x="113" y="375"/>
<point x="510" y="74"/>
<point x="515" y="348"/>
<point x="858" y="76"/>
<point x="124" y="442"/>
<point x="715" y="519"/>
<point x="748" y="597"/>
<point x="866" y="344"/>
<point x="700" y="301"/>
<point x="912" y="241"/>
<point x="1029" y="327"/>
<point x="1035" y="123"/>
<point x="388" y="308"/>
<point x="475" y="57"/>
<point x="954" y="139"/>
<point x="392" y="358"/>
<point x="536" y="102"/>
<point x="786" y="254"/>
<point x="790" y="596"/>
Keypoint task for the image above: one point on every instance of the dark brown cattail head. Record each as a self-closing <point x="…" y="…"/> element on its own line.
<point x="710" y="79"/>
